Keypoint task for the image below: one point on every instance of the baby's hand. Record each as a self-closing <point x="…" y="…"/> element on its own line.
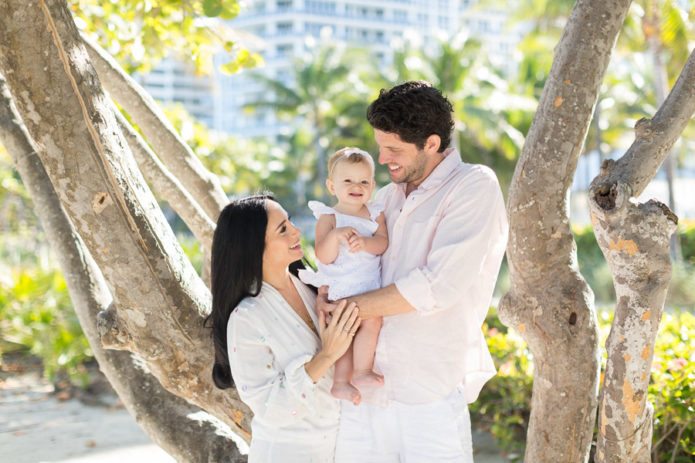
<point x="356" y="243"/>
<point x="344" y="234"/>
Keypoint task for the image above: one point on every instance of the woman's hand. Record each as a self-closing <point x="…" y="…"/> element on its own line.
<point x="336" y="335"/>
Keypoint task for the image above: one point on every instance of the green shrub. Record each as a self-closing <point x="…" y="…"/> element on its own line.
<point x="36" y="314"/>
<point x="504" y="404"/>
<point x="672" y="390"/>
<point x="686" y="229"/>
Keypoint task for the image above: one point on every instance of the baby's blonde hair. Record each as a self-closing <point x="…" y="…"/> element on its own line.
<point x="352" y="155"/>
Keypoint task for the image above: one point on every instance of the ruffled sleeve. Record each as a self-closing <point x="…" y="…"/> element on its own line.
<point x="375" y="208"/>
<point x="319" y="209"/>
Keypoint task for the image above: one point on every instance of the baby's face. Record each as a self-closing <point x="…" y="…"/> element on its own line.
<point x="351" y="183"/>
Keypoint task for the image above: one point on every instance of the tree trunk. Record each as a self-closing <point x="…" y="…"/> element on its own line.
<point x="159" y="300"/>
<point x="167" y="185"/>
<point x="177" y="156"/>
<point x="549" y="303"/>
<point x="166" y="418"/>
<point x="635" y="240"/>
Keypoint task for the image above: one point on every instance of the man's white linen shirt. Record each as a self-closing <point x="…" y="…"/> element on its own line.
<point x="446" y="243"/>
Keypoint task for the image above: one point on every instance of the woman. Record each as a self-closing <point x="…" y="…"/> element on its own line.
<point x="268" y="336"/>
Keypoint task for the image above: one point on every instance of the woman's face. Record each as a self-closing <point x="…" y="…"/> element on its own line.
<point x="282" y="245"/>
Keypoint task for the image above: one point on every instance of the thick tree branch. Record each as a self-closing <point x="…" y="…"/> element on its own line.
<point x="167" y="185"/>
<point x="653" y="140"/>
<point x="635" y="240"/>
<point x="160" y="300"/>
<point x="177" y="156"/>
<point x="162" y="415"/>
<point x="550" y="303"/>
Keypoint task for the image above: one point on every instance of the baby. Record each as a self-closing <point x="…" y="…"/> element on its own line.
<point x="350" y="237"/>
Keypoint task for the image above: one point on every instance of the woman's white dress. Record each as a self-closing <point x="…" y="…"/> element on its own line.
<point x="352" y="272"/>
<point x="295" y="420"/>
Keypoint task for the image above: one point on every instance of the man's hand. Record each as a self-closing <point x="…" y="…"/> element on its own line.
<point x="323" y="304"/>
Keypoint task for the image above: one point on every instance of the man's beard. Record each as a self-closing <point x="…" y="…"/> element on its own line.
<point x="416" y="170"/>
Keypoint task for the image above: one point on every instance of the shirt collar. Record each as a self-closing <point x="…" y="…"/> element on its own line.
<point x="440" y="172"/>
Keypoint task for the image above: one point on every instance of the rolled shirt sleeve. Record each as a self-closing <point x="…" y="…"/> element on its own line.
<point x="470" y="233"/>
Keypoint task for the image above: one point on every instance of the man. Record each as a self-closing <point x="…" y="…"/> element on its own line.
<point x="447" y="234"/>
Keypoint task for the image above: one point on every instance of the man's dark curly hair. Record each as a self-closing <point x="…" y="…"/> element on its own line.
<point x="413" y="111"/>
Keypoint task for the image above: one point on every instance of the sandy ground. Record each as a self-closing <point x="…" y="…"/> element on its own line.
<point x="37" y="426"/>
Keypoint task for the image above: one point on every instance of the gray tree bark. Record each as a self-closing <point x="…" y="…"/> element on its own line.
<point x="549" y="302"/>
<point x="159" y="300"/>
<point x="177" y="156"/>
<point x="635" y="239"/>
<point x="171" y="422"/>
<point x="167" y="185"/>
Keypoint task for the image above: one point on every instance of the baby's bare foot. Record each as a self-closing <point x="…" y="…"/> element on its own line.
<point x="367" y="378"/>
<point x="346" y="391"/>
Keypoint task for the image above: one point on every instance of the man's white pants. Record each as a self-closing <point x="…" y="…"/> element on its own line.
<point x="439" y="432"/>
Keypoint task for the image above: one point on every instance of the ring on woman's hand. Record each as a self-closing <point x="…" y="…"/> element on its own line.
<point x="345" y="328"/>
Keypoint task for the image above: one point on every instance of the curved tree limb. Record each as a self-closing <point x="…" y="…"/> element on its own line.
<point x="550" y="303"/>
<point x="177" y="156"/>
<point x="162" y="415"/>
<point x="653" y="138"/>
<point x="167" y="185"/>
<point x="160" y="300"/>
<point x="635" y="240"/>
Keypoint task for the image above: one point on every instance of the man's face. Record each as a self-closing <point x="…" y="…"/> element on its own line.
<point x="406" y="163"/>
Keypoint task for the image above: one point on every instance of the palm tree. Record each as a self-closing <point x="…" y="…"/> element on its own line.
<point x="323" y="97"/>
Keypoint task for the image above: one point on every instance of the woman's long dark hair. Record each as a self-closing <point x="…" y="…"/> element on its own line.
<point x="236" y="270"/>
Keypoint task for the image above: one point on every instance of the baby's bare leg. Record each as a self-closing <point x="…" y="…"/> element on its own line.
<point x="364" y="346"/>
<point x="342" y="389"/>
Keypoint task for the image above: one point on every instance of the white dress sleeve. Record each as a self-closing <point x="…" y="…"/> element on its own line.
<point x="281" y="396"/>
<point x="319" y="209"/>
<point x="375" y="208"/>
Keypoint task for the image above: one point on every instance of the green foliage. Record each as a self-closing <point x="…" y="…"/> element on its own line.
<point x="324" y="103"/>
<point x="672" y="390"/>
<point x="16" y="207"/>
<point x="140" y="33"/>
<point x="686" y="229"/>
<point x="503" y="406"/>
<point x="243" y="166"/>
<point x="36" y="314"/>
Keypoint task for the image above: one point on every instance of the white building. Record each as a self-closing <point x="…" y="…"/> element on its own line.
<point x="492" y="28"/>
<point x="284" y="24"/>
<point x="173" y="81"/>
<point x="282" y="27"/>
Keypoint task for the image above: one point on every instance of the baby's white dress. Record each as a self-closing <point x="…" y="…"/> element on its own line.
<point x="352" y="272"/>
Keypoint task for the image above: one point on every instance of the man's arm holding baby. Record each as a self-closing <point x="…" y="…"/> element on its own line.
<point x="379" y="303"/>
